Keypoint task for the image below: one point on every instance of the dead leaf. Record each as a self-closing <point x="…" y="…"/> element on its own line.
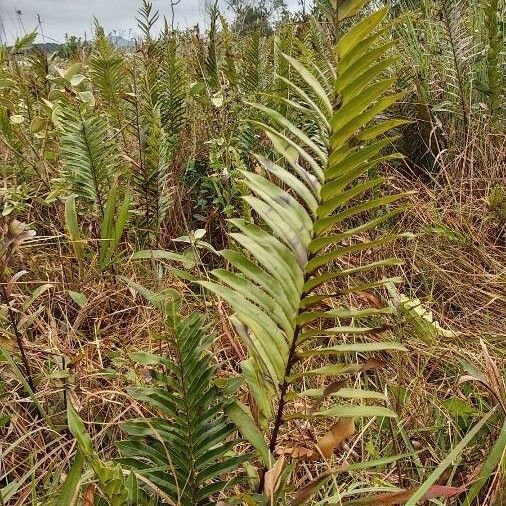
<point x="9" y="286"/>
<point x="494" y="376"/>
<point x="342" y="429"/>
<point x="389" y="499"/>
<point x="271" y="483"/>
<point x="239" y="352"/>
<point x="401" y="497"/>
<point x="333" y="387"/>
<point x="297" y="452"/>
<point x="304" y="493"/>
<point x="373" y="363"/>
<point x="89" y="495"/>
<point x="131" y="160"/>
<point x="329" y="390"/>
<point x="371" y="299"/>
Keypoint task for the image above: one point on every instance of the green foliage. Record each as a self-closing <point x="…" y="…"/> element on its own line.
<point x="158" y="118"/>
<point x="110" y="476"/>
<point x="172" y="90"/>
<point x="256" y="15"/>
<point x="147" y="19"/>
<point x="150" y="173"/>
<point x="495" y="48"/>
<point x="183" y="450"/>
<point x="124" y="150"/>
<point x="89" y="153"/>
<point x="24" y="43"/>
<point x="311" y="201"/>
<point x="72" y="47"/>
<point x="112" y="226"/>
<point x="211" y="60"/>
<point x="107" y="70"/>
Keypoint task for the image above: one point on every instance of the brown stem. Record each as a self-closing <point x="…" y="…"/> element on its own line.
<point x="19" y="337"/>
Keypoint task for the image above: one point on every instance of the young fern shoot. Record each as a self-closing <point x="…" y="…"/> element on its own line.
<point x="314" y="200"/>
<point x="185" y="451"/>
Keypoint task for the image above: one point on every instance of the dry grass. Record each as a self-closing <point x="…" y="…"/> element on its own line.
<point x="457" y="272"/>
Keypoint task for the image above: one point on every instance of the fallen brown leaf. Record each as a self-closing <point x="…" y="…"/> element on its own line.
<point x="373" y="363"/>
<point x="296" y="452"/>
<point x="329" y="390"/>
<point x="401" y="497"/>
<point x="271" y="482"/>
<point x="342" y="429"/>
<point x="371" y="299"/>
<point x="89" y="495"/>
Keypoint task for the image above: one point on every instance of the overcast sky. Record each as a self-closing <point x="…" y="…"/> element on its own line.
<point x="59" y="17"/>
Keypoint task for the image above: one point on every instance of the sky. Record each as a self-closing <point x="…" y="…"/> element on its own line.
<point x="75" y="17"/>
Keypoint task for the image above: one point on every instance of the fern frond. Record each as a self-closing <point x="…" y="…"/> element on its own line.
<point x="229" y="64"/>
<point x="460" y="44"/>
<point x="184" y="450"/>
<point x="147" y="19"/>
<point x="211" y="62"/>
<point x="89" y="153"/>
<point x="315" y="208"/>
<point x="106" y="68"/>
<point x="495" y="49"/>
<point x="172" y="86"/>
<point x="150" y="178"/>
<point x="251" y="65"/>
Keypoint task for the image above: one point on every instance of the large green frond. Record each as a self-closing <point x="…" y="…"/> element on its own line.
<point x="315" y="207"/>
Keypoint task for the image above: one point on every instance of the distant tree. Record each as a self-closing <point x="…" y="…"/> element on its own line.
<point x="72" y="46"/>
<point x="256" y="14"/>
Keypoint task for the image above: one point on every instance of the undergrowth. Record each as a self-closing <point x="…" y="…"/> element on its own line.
<point x="257" y="266"/>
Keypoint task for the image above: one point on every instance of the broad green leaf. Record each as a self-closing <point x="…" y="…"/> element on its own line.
<point x="241" y="416"/>
<point x="76" y="427"/>
<point x="37" y="124"/>
<point x="69" y="492"/>
<point x="349" y="8"/>
<point x="77" y="79"/>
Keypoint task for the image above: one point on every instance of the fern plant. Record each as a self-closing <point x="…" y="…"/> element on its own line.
<point x="89" y="153"/>
<point x="314" y="210"/>
<point x="453" y="15"/>
<point x="149" y="175"/>
<point x="107" y="74"/>
<point x="147" y="19"/>
<point x="495" y="47"/>
<point x="185" y="451"/>
<point x="171" y="92"/>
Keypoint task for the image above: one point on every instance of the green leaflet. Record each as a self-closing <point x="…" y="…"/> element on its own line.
<point x="345" y="393"/>
<point x="69" y="492"/>
<point x="354" y="348"/>
<point x="241" y="416"/>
